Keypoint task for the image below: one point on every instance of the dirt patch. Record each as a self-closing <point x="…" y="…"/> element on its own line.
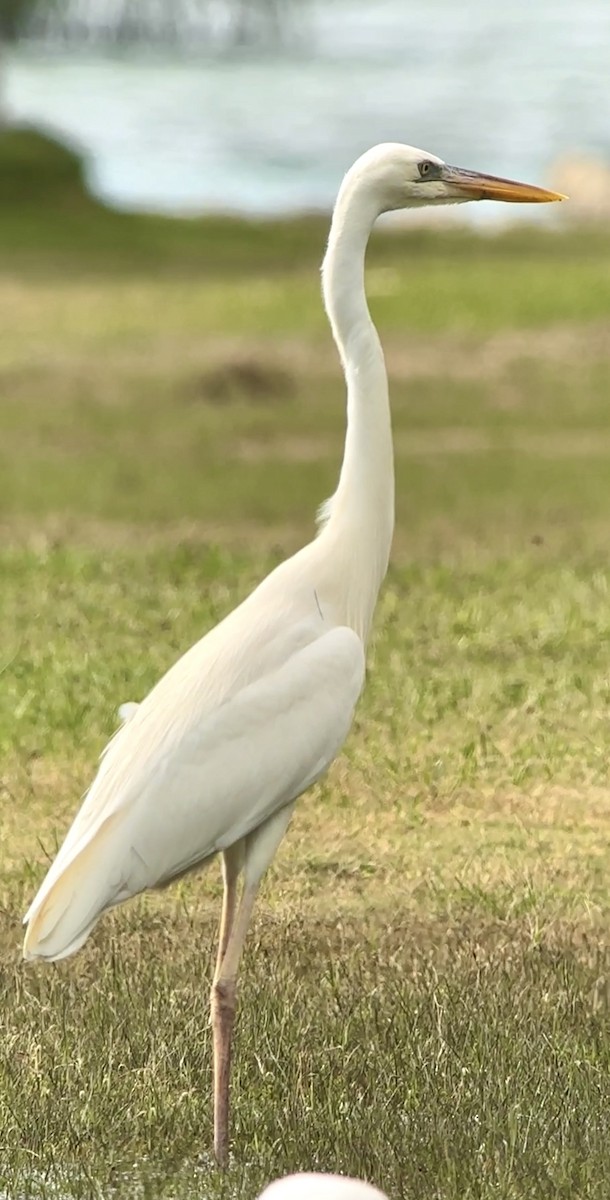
<point x="253" y="379"/>
<point x="417" y="356"/>
<point x="259" y="369"/>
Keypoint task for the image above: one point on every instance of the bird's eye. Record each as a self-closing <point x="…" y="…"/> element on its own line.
<point x="426" y="168"/>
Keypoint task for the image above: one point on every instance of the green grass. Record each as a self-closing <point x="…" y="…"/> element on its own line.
<point x="425" y="993"/>
<point x="472" y="1065"/>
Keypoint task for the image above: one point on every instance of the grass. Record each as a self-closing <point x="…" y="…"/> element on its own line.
<point x="425" y="993"/>
<point x="448" y="1060"/>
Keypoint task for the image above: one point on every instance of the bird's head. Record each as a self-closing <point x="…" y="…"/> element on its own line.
<point x="403" y="177"/>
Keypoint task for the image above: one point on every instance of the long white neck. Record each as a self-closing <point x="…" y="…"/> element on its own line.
<point x="361" y="513"/>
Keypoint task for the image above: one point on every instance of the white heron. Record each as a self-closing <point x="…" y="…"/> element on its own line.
<point x="313" y="1186"/>
<point x="214" y="758"/>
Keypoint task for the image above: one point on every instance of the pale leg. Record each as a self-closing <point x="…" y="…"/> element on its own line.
<point x="253" y="855"/>
<point x="232" y="866"/>
<point x="223" y="1003"/>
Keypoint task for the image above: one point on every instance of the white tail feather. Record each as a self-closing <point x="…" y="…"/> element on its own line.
<point x="60" y="921"/>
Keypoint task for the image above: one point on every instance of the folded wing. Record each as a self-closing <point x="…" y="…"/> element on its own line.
<point x="161" y="805"/>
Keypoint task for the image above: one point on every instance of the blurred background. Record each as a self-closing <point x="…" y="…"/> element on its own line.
<point x="166" y="175"/>
<point x="257" y="106"/>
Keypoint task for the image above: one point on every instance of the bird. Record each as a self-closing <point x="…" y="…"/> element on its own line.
<point x="213" y="759"/>
<point x="316" y="1186"/>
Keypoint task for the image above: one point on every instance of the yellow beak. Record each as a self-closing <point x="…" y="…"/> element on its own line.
<point x="475" y="186"/>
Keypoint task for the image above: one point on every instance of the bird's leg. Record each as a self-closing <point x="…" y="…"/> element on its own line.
<point x="252" y="855"/>
<point x="232" y="864"/>
<point x="223" y="1003"/>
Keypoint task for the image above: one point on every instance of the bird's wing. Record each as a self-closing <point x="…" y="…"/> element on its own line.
<point x="126" y="711"/>
<point x="152" y="734"/>
<point x="158" y="813"/>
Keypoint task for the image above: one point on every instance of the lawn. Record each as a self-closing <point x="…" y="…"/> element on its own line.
<point x="425" y="992"/>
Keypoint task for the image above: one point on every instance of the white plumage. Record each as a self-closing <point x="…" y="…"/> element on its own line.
<point x="215" y="756"/>
<point x="313" y="1186"/>
<point x="175" y="787"/>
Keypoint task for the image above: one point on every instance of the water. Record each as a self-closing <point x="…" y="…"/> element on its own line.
<point x="505" y="87"/>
